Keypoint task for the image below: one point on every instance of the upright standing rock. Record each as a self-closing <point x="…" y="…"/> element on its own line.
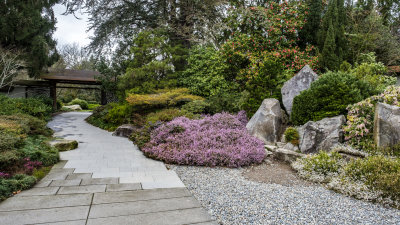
<point x="266" y="123"/>
<point x="321" y="135"/>
<point x="300" y="82"/>
<point x="386" y="125"/>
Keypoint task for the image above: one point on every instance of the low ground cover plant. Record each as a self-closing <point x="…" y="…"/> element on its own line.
<point x="374" y="178"/>
<point x="32" y="106"/>
<point x="24" y="146"/>
<point x="218" y="140"/>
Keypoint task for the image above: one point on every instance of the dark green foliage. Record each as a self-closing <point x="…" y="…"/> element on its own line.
<point x="29" y="25"/>
<point x="31" y="106"/>
<point x="330" y="59"/>
<point x="307" y="34"/>
<point x="329" y="96"/>
<point x="292" y="135"/>
<point x="141" y="136"/>
<point x="331" y="37"/>
<point x="9" y="141"/>
<point x="37" y="149"/>
<point x="9" y="160"/>
<point x="196" y="107"/>
<point x="16" y="183"/>
<point x="82" y="103"/>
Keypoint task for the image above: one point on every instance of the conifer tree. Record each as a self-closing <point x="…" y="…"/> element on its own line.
<point x="28" y="26"/>
<point x="329" y="58"/>
<point x="308" y="34"/>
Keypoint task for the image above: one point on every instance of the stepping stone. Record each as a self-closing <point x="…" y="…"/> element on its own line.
<point x="177" y="217"/>
<point x="77" y="176"/>
<point x="44" y="215"/>
<point x="82" y="189"/>
<point x="123" y="187"/>
<point x="65" y="183"/>
<point x="39" y="191"/>
<point x="93" y="181"/>
<point x="43" y="202"/>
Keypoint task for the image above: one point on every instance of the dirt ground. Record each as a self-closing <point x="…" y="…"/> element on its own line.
<point x="273" y="171"/>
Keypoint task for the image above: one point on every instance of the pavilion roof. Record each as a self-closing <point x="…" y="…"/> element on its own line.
<point x="72" y="76"/>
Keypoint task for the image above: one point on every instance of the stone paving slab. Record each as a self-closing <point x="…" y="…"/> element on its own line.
<point x="123" y="187"/>
<point x="39" y="191"/>
<point x="93" y="181"/>
<point x="43" y="202"/>
<point x="176" y="217"/>
<point x="65" y="183"/>
<point x="132" y="208"/>
<point x="44" y="215"/>
<point x="75" y="222"/>
<point x="82" y="189"/>
<point x="131" y="196"/>
<point x="76" y="176"/>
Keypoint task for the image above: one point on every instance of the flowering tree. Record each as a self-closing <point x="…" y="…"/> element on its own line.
<point x="270" y="31"/>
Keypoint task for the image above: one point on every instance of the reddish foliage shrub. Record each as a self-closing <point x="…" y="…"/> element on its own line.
<point x="218" y="140"/>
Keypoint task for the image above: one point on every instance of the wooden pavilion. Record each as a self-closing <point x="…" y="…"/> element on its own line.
<point x="67" y="76"/>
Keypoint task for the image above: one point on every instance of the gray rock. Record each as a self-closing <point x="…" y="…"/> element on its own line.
<point x="266" y="123"/>
<point x="300" y="82"/>
<point x="290" y="146"/>
<point x="73" y="107"/>
<point x="125" y="130"/>
<point x="386" y="125"/>
<point x="286" y="155"/>
<point x="64" y="145"/>
<point x="321" y="135"/>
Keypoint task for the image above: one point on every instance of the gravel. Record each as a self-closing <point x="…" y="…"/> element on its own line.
<point x="231" y="199"/>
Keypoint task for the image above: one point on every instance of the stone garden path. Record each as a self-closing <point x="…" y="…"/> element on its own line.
<point x="107" y="180"/>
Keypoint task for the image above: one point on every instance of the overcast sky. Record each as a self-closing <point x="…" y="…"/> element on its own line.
<point x="70" y="29"/>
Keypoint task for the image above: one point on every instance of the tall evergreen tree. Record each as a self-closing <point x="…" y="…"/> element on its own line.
<point x="308" y="34"/>
<point x="28" y="26"/>
<point x="330" y="59"/>
<point x="335" y="19"/>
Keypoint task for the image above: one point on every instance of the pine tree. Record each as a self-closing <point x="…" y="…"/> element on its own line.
<point x="308" y="34"/>
<point x="329" y="59"/>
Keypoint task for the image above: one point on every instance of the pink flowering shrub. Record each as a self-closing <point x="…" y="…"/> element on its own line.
<point x="29" y="165"/>
<point x="360" y="117"/>
<point x="218" y="140"/>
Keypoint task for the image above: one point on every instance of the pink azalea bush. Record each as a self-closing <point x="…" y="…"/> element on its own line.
<point x="218" y="140"/>
<point x="360" y="117"/>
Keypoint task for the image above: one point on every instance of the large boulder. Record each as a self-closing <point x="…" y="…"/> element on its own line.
<point x="266" y="123"/>
<point x="73" y="107"/>
<point x="321" y="135"/>
<point x="63" y="145"/>
<point x="125" y="130"/>
<point x="386" y="125"/>
<point x="300" y="82"/>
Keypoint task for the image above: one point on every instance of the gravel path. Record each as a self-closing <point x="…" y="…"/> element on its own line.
<point x="231" y="199"/>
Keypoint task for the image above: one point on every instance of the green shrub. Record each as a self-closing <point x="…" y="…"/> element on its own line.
<point x="9" y="141"/>
<point x="31" y="106"/>
<point x="196" y="107"/>
<point x="329" y="96"/>
<point x="11" y="186"/>
<point x="82" y="103"/>
<point x="292" y="135"/>
<point x="164" y="115"/>
<point x="323" y="163"/>
<point x="142" y="136"/>
<point x="37" y="149"/>
<point x="41" y="173"/>
<point x="92" y="106"/>
<point x="161" y="99"/>
<point x="378" y="172"/>
<point x="9" y="160"/>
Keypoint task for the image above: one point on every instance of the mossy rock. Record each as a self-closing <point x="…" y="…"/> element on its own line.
<point x="64" y="145"/>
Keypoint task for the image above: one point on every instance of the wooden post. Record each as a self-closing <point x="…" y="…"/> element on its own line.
<point x="53" y="94"/>
<point x="103" y="97"/>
